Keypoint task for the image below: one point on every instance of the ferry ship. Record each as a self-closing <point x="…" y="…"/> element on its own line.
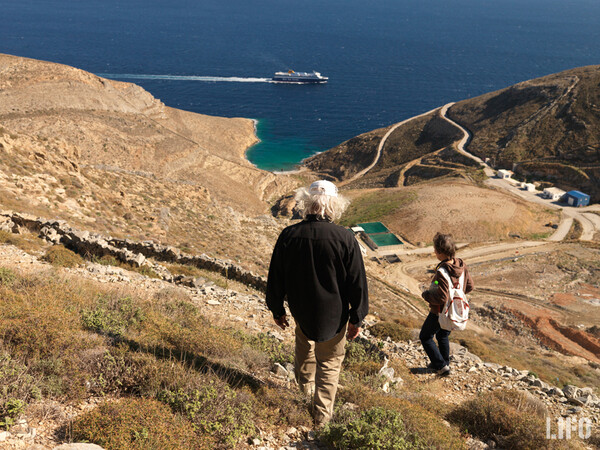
<point x="299" y="77"/>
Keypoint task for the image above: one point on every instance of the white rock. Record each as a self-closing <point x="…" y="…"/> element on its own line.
<point x="279" y="370"/>
<point x="387" y="372"/>
<point x="571" y="391"/>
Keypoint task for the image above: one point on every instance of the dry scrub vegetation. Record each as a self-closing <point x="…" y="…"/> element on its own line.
<point x="169" y="379"/>
<point x="66" y="340"/>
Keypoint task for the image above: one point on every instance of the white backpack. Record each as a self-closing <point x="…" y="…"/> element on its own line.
<point x="455" y="314"/>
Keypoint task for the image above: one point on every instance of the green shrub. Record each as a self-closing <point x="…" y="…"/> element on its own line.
<point x="276" y="350"/>
<point x="360" y="351"/>
<point x="112" y="316"/>
<point x="424" y="426"/>
<point x="395" y="331"/>
<point x="120" y="371"/>
<point x="106" y="260"/>
<point x="63" y="257"/>
<point x="10" y="410"/>
<point x="7" y="276"/>
<point x="131" y="424"/>
<point x="508" y="417"/>
<point x="146" y="271"/>
<point x="215" y="410"/>
<point x="17" y="384"/>
<point x="375" y="428"/>
<point x="283" y="406"/>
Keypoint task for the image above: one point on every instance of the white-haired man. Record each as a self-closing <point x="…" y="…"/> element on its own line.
<point x="318" y="266"/>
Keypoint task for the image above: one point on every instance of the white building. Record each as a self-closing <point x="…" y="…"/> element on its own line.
<point x="553" y="193"/>
<point x="529" y="187"/>
<point x="504" y="174"/>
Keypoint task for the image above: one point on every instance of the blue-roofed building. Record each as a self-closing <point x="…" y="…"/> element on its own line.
<point x="576" y="198"/>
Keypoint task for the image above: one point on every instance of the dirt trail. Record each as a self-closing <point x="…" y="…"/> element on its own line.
<point x="380" y="148"/>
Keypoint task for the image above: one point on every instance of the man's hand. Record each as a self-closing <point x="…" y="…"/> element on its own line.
<point x="282" y="322"/>
<point x="353" y="331"/>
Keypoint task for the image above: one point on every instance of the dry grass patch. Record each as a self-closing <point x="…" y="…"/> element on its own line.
<point x="513" y="419"/>
<point x="395" y="331"/>
<point x="131" y="424"/>
<point x="27" y="242"/>
<point x="575" y="231"/>
<point x="63" y="339"/>
<point x="60" y="256"/>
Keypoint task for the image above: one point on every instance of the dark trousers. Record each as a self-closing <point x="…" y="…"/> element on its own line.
<point x="439" y="357"/>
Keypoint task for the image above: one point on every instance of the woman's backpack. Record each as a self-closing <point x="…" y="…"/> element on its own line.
<point x="455" y="314"/>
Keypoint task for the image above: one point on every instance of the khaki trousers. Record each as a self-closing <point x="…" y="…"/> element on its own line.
<point x="318" y="366"/>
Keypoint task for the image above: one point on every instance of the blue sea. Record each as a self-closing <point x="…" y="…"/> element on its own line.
<point x="387" y="60"/>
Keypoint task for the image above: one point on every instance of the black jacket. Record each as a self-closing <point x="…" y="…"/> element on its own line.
<point x="319" y="267"/>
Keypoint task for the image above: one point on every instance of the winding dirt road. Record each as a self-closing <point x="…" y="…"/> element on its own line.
<point x="380" y="147"/>
<point x="541" y="313"/>
<point x="590" y="224"/>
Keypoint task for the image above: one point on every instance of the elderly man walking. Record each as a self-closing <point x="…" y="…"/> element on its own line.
<point x="318" y="266"/>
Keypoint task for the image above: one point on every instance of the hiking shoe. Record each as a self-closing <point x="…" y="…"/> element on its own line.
<point x="444" y="371"/>
<point x="422" y="370"/>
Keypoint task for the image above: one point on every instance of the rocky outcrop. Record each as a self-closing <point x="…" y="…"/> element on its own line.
<point x="125" y="250"/>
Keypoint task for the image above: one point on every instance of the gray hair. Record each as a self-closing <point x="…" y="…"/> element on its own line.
<point x="323" y="206"/>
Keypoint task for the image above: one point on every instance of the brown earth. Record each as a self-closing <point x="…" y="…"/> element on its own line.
<point x="546" y="128"/>
<point x="107" y="155"/>
<point x="470" y="213"/>
<point x="559" y="338"/>
<point x="563" y="299"/>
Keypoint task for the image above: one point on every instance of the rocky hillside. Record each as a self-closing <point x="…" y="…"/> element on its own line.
<point x="417" y="150"/>
<point x="107" y="155"/>
<point x="133" y="313"/>
<point x="145" y="342"/>
<point x="547" y="128"/>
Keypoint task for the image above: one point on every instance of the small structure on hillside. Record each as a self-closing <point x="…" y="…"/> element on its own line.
<point x="577" y="198"/>
<point x="529" y="187"/>
<point x="553" y="193"/>
<point x="504" y="174"/>
<point x="376" y="236"/>
<point x="392" y="259"/>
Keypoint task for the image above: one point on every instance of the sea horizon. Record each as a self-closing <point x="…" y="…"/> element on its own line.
<point x="386" y="61"/>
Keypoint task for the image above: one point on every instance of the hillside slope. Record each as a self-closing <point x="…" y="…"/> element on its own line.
<point x="81" y="148"/>
<point x="547" y="128"/>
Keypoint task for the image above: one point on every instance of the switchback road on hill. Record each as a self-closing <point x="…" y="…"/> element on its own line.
<point x="380" y="148"/>
<point x="590" y="225"/>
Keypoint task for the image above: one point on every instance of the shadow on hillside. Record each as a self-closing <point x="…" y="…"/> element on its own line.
<point x="234" y="377"/>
